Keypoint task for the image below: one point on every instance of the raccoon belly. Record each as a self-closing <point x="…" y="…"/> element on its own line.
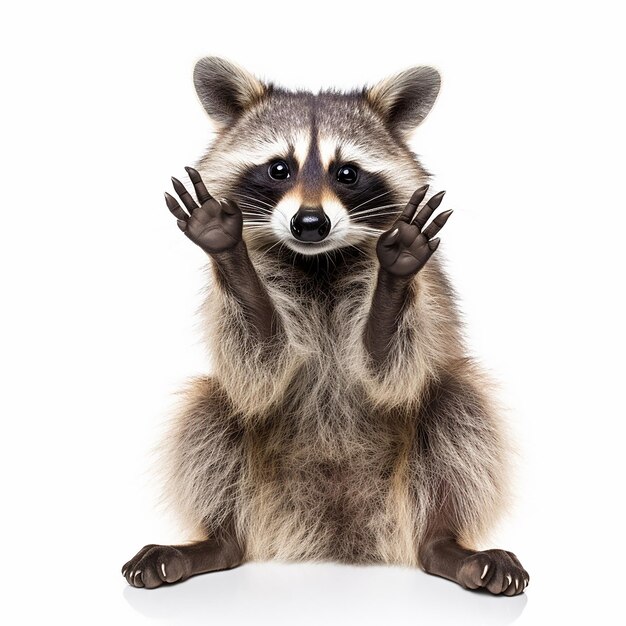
<point x="330" y="511"/>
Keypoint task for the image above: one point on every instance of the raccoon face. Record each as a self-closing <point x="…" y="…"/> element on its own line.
<point x="313" y="172"/>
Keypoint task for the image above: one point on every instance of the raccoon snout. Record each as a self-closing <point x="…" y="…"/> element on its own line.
<point x="310" y="224"/>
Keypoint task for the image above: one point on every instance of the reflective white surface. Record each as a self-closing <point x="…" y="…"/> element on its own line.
<point x="271" y="593"/>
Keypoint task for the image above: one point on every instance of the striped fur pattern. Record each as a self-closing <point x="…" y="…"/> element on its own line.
<point x="316" y="453"/>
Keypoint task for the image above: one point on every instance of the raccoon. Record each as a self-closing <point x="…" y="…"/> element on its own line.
<point x="344" y="420"/>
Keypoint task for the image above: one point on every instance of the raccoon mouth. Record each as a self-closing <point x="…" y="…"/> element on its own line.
<point x="311" y="247"/>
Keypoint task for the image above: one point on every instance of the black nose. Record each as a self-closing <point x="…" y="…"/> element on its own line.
<point x="310" y="224"/>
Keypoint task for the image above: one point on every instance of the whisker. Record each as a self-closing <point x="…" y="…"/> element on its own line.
<point x="370" y="200"/>
<point x="243" y="195"/>
<point x="256" y="208"/>
<point x="361" y="228"/>
<point x="259" y="220"/>
<point x="361" y="218"/>
<point x="368" y="217"/>
<point x="256" y="202"/>
<point x="255" y="214"/>
<point x="377" y="208"/>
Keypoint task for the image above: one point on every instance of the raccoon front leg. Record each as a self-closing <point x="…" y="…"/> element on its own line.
<point x="402" y="251"/>
<point x="155" y="565"/>
<point x="216" y="227"/>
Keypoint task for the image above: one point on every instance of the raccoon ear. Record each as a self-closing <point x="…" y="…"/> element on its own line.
<point x="225" y="89"/>
<point x="405" y="99"/>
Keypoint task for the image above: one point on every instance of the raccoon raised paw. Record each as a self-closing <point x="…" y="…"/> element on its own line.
<point x="497" y="571"/>
<point x="154" y="565"/>
<point x="404" y="249"/>
<point x="215" y="226"/>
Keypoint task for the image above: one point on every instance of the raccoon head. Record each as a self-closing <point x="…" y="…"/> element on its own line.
<point x="314" y="172"/>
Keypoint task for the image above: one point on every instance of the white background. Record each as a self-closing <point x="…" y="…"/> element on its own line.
<point x="99" y="290"/>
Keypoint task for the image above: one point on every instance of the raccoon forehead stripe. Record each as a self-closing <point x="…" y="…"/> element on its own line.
<point x="328" y="150"/>
<point x="301" y="143"/>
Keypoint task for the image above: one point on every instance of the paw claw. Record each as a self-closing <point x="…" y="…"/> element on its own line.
<point x="485" y="570"/>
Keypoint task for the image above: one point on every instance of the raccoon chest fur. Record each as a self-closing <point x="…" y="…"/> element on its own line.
<point x="336" y="490"/>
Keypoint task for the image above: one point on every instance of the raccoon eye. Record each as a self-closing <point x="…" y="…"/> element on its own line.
<point x="347" y="174"/>
<point x="278" y="170"/>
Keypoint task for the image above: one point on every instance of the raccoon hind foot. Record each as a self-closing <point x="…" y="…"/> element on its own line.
<point x="497" y="571"/>
<point x="154" y="565"/>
